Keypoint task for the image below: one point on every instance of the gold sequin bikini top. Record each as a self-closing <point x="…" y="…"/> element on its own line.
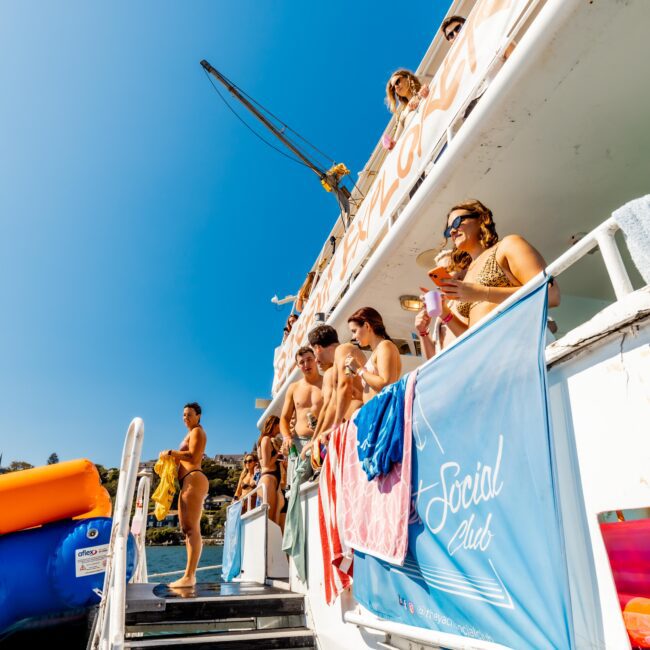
<point x="491" y="275"/>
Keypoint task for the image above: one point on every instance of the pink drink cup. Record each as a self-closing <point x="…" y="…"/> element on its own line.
<point x="433" y="303"/>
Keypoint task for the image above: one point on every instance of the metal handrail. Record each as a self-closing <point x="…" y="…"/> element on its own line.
<point x="108" y="629"/>
<point x="412" y="633"/>
<point x="602" y="237"/>
<point x="198" y="568"/>
<point x="260" y="488"/>
<point x="139" y="526"/>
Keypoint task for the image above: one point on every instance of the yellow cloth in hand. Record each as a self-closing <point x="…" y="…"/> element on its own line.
<point x="167" y="469"/>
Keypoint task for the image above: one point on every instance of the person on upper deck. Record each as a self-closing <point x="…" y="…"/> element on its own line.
<point x="494" y="268"/>
<point x="404" y="92"/>
<point x="451" y="27"/>
<point x="288" y="326"/>
<point x="436" y="335"/>
<point x="384" y="365"/>
<point x="305" y="291"/>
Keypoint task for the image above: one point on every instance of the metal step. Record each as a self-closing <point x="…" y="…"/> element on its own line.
<point x="276" y="639"/>
<point x="226" y="616"/>
<point x="216" y="625"/>
<point x="149" y="603"/>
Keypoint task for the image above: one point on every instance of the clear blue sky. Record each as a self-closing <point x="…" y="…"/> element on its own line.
<point x="143" y="229"/>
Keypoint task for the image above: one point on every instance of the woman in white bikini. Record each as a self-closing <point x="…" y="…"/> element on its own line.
<point x="384" y="365"/>
<point x="404" y="93"/>
<point x="194" y="489"/>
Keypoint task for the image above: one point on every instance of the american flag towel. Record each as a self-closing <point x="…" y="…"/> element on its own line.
<point x="337" y="558"/>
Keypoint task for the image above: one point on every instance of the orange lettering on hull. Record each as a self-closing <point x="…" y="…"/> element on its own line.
<point x="385" y="196"/>
<point x="412" y="138"/>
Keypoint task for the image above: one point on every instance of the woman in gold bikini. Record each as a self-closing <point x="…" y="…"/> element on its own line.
<point x="495" y="268"/>
<point x="194" y="489"/>
<point x="247" y="481"/>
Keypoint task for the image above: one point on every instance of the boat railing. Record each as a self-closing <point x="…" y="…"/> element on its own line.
<point x="601" y="237"/>
<point x="260" y="539"/>
<point x="212" y="567"/>
<point x="259" y="489"/>
<point x="108" y="628"/>
<point x="139" y="526"/>
<point x="422" y="635"/>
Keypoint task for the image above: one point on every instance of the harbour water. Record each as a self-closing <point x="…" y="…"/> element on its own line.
<point x="161" y="559"/>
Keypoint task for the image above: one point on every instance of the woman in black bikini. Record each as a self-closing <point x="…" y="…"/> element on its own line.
<point x="246" y="479"/>
<point x="194" y="489"/>
<point x="271" y="473"/>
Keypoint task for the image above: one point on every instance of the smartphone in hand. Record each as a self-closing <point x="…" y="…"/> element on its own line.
<point x="439" y="275"/>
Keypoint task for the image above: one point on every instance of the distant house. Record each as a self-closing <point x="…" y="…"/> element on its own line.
<point x="212" y="503"/>
<point x="170" y="521"/>
<point x="229" y="460"/>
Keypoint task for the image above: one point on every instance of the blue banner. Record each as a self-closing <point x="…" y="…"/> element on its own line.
<point x="486" y="558"/>
<point x="231" y="563"/>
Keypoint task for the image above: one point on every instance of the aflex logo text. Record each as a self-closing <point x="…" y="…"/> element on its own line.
<point x="85" y="552"/>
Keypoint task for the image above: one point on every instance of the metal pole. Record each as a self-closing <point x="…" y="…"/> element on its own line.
<point x="614" y="262"/>
<point x="340" y="192"/>
<point x="269" y="125"/>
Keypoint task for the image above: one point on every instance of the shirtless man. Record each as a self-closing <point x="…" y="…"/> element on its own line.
<point x="303" y="397"/>
<point x="339" y="389"/>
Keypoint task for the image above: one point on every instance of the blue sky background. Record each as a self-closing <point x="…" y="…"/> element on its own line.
<point x="143" y="229"/>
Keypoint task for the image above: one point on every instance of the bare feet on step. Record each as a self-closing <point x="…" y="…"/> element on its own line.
<point x="183" y="582"/>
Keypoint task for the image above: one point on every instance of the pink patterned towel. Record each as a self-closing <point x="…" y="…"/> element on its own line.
<point x="374" y="515"/>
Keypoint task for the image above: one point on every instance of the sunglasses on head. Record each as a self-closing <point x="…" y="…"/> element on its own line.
<point x="451" y="35"/>
<point x="455" y="224"/>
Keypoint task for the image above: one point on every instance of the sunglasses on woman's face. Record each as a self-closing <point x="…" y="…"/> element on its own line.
<point x="451" y="35"/>
<point x="249" y="460"/>
<point x="398" y="81"/>
<point x="455" y="224"/>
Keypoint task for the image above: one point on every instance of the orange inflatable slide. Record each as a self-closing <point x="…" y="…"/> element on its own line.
<point x="42" y="495"/>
